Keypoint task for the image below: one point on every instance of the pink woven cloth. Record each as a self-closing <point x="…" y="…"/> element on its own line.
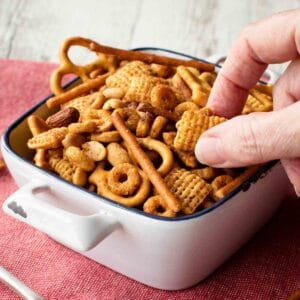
<point x="268" y="267"/>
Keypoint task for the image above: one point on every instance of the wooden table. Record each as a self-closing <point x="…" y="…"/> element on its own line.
<point x="34" y="29"/>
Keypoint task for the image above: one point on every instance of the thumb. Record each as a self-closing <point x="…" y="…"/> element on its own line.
<point x="252" y="139"/>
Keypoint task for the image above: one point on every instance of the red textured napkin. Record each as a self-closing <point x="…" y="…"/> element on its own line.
<point x="268" y="267"/>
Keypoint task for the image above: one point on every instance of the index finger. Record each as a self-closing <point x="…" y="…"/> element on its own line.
<point x="272" y="40"/>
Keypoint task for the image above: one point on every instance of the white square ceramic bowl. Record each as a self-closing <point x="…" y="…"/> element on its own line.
<point x="164" y="253"/>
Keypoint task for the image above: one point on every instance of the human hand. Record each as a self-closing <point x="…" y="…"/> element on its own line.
<point x="258" y="137"/>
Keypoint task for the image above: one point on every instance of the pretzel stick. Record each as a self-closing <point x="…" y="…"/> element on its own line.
<point x="150" y="58"/>
<point x="145" y="163"/>
<point x="77" y="91"/>
<point x="222" y="192"/>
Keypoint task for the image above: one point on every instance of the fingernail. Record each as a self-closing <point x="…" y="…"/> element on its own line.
<point x="208" y="151"/>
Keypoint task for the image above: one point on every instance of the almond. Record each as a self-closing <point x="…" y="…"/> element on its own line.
<point x="63" y="117"/>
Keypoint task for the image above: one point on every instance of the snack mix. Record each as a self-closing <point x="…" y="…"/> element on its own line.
<point x="128" y="131"/>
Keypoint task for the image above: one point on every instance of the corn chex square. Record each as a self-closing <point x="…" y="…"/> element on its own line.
<point x="188" y="187"/>
<point x="191" y="125"/>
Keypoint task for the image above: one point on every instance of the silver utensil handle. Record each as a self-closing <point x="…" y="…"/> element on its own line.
<point x="18" y="286"/>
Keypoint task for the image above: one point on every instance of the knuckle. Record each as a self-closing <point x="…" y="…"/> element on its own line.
<point x="251" y="144"/>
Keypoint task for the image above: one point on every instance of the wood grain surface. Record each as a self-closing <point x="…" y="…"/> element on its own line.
<point x="34" y="29"/>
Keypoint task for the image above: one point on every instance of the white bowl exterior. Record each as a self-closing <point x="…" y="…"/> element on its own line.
<point x="168" y="255"/>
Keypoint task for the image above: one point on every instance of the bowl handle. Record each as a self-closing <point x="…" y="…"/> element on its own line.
<point x="269" y="75"/>
<point x="80" y="233"/>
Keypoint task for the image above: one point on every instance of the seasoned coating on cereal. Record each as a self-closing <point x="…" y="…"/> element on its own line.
<point x="80" y="158"/>
<point x="257" y="102"/>
<point x="146" y="107"/>
<point x="157" y="126"/>
<point x="144" y="124"/>
<point x="123" y="76"/>
<point x="163" y="71"/>
<point x="124" y="179"/>
<point x="37" y="125"/>
<point x="189" y="188"/>
<point x="191" y="125"/>
<point x="207" y="173"/>
<point x="62" y="166"/>
<point x="169" y="137"/>
<point x="218" y="183"/>
<point x="184" y="106"/>
<point x="180" y="86"/>
<point x="87" y="126"/>
<point x="130" y="116"/>
<point x="136" y="110"/>
<point x="84" y="102"/>
<point x="187" y="157"/>
<point x="145" y="163"/>
<point x="199" y="94"/>
<point x="49" y="139"/>
<point x="40" y="159"/>
<point x="80" y="177"/>
<point x="140" y="88"/>
<point x="162" y="96"/>
<point x="207" y="80"/>
<point x="104" y="122"/>
<point x="65" y="169"/>
<point x="73" y="139"/>
<point x="100" y="178"/>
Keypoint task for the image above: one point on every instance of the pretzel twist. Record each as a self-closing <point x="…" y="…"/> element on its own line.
<point x="85" y="72"/>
